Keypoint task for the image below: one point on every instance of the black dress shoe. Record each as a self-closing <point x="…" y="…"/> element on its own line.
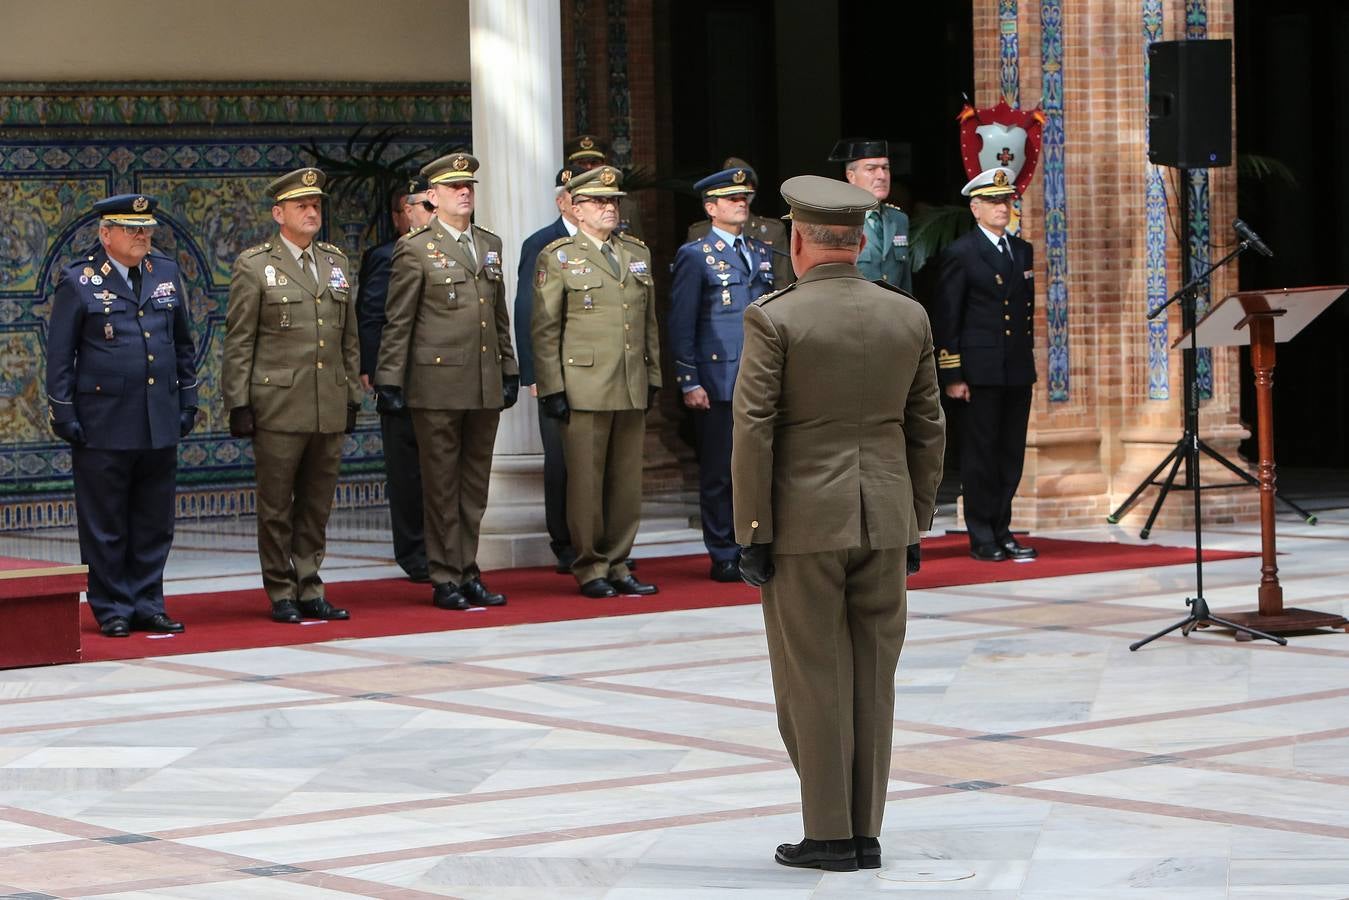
<point x="285" y="611"/>
<point x="1017" y="551"/>
<point x="629" y="586"/>
<point x="116" y="627"/>
<point x="868" y="852"/>
<point x="447" y="596"/>
<point x="159" y="623"/>
<point x="419" y="576"/>
<point x="598" y="589"/>
<point x="832" y="856"/>
<point x="725" y="570"/>
<point x="988" y="553"/>
<point x="477" y="593"/>
<point x="321" y="609"/>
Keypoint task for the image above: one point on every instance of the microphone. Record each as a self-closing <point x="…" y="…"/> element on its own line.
<point x="1246" y="234"/>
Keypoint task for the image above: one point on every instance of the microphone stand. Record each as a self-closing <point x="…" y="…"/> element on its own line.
<point x="1189" y="445"/>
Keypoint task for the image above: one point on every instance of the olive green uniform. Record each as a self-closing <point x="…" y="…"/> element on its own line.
<point x="292" y="354"/>
<point x="446" y="344"/>
<point x="595" y="338"/>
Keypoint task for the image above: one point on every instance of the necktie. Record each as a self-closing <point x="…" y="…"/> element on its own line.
<point x="468" y="249"/>
<point x="135" y="273"/>
<point x="307" y="266"/>
<point x="744" y="254"/>
<point x="1005" y="250"/>
<point x="610" y="258"/>
<point x="873" y="230"/>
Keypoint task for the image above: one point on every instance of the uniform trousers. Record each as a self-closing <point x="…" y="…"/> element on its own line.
<point x="713" y="428"/>
<point x="296" y="476"/>
<point x="555" y="488"/>
<point x="124" y="508"/>
<point x="455" y="450"/>
<point x="992" y="453"/>
<point x="835" y="622"/>
<point x="604" y="488"/>
<point x="403" y="484"/>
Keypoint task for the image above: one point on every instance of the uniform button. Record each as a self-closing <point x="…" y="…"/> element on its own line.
<point x="448" y="280"/>
<point x="141" y="313"/>
<point x="320" y="365"/>
<point x="627" y="327"/>
<point x="318" y="300"/>
<point x="98" y="388"/>
<point x="320" y="343"/>
<point x="1008" y="333"/>
<point x="714" y="357"/>
<point x="150" y="380"/>
<point x="1006" y="303"/>
<point x="266" y="379"/>
<point x="150" y="357"/>
<point x="1008" y="318"/>
<point x="570" y="360"/>
<point x="482" y="300"/>
<point x="484" y="349"/>
<point x="437" y="360"/>
<point x="625" y="306"/>
<point x="754" y="524"/>
<point x="483" y="324"/>
<point x="627" y="346"/>
<point x="147" y="334"/>
<point x="885" y="278"/>
<point x="285" y="299"/>
<point x="320" y="321"/>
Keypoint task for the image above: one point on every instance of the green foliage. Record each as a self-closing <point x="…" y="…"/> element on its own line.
<point x="1255" y="167"/>
<point x="932" y="228"/>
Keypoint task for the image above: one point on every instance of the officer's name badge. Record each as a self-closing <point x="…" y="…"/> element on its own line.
<point x="491" y="258"/>
<point x="901" y="240"/>
<point x="637" y="267"/>
<point x="336" y="279"/>
<point x="270" y="274"/>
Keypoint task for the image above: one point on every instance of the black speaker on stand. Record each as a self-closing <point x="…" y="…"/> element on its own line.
<point x="1190" y="104"/>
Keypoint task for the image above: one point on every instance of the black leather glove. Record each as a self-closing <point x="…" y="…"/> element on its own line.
<point x="554" y="406"/>
<point x="389" y="399"/>
<point x="241" y="421"/>
<point x="71" y="432"/>
<point x="352" y="409"/>
<point x="510" y="390"/>
<point x="650" y="397"/>
<point x="913" y="558"/>
<point x="187" y="420"/>
<point x="756" y="564"/>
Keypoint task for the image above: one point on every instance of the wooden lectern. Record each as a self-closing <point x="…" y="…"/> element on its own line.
<point x="1271" y="317"/>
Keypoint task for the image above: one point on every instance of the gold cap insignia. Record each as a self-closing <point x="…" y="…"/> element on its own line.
<point x="309" y="178"/>
<point x="1000" y="178"/>
<point x="566" y="175"/>
<point x="460" y="163"/>
<point x="587" y="143"/>
<point x="607" y="177"/>
<point x="739" y="177"/>
<point x="140" y="204"/>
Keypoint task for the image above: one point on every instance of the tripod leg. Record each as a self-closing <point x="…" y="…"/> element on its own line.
<point x="1255" y="482"/>
<point x="1243" y="629"/>
<point x="1165" y="631"/>
<point x="1146" y="483"/>
<point x="1161" y="497"/>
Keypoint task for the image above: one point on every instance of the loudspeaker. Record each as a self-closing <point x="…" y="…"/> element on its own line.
<point x="1190" y="104"/>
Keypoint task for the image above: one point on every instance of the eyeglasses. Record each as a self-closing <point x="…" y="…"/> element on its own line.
<point x="598" y="201"/>
<point x="137" y="229"/>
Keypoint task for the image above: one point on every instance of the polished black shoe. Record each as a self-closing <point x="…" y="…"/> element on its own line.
<point x="1017" y="551"/>
<point x="321" y="609"/>
<point x="159" y="623"/>
<point x="868" y="852"/>
<point x="832" y="856"/>
<point x="419" y="576"/>
<point x="477" y="593"/>
<point x="447" y="596"/>
<point x="629" y="586"/>
<point x="988" y="553"/>
<point x="285" y="611"/>
<point x="116" y="627"/>
<point x="598" y="589"/>
<point x="725" y="570"/>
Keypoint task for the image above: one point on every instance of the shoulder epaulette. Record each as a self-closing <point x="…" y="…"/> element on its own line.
<point x="254" y="251"/>
<point x="898" y="290"/>
<point x="331" y="248"/>
<point x="775" y="294"/>
<point x="559" y="242"/>
<point x="895" y="208"/>
<point x="156" y="252"/>
<point x="488" y="230"/>
<point x="629" y="237"/>
<point x="414" y="232"/>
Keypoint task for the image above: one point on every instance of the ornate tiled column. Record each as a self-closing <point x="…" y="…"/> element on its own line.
<point x="515" y="53"/>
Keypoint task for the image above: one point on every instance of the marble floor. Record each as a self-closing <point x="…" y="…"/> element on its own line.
<point x="637" y="758"/>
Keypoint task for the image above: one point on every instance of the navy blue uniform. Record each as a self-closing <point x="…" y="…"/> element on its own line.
<point x="123" y="367"/>
<point x="402" y="467"/>
<point x="550" y="431"/>
<point x="712" y="286"/>
<point x="982" y="323"/>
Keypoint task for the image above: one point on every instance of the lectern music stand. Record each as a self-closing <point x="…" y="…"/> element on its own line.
<point x="1267" y="318"/>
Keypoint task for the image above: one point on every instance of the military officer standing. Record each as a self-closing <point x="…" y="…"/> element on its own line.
<point x="291" y="382"/>
<point x="446" y="355"/>
<point x="402" y="473"/>
<point x="983" y="319"/>
<point x="886" y="254"/>
<point x="597" y="361"/>
<point x="838" y="453"/>
<point x="122" y="388"/>
<point x="715" y="279"/>
<point x="585" y="152"/>
<point x="770" y="231"/>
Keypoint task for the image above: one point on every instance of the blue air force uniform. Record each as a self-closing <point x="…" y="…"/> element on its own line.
<point x="714" y="282"/>
<point x="122" y="388"/>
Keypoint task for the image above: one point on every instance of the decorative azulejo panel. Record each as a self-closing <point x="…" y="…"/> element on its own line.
<point x="1159" y="386"/>
<point x="1056" y="197"/>
<point x="206" y="152"/>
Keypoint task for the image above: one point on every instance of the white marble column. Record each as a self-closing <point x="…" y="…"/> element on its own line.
<point x="515" y="50"/>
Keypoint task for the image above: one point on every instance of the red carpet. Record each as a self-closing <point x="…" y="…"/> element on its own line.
<point x="234" y="620"/>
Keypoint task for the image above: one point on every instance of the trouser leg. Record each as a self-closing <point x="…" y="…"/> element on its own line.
<point x="315" y="483"/>
<point x="555" y="487"/>
<point x="981" y="421"/>
<point x="102" y="493"/>
<point x="713" y="429"/>
<point x="585" y="439"/>
<point x="438" y="445"/>
<point x="1011" y="454"/>
<point x="403" y="479"/>
<point x="276" y="457"/>
<point x="623" y="489"/>
<point x="150" y="515"/>
<point x="477" y="440"/>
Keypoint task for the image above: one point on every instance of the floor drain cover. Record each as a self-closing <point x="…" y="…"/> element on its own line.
<point x="933" y="872"/>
